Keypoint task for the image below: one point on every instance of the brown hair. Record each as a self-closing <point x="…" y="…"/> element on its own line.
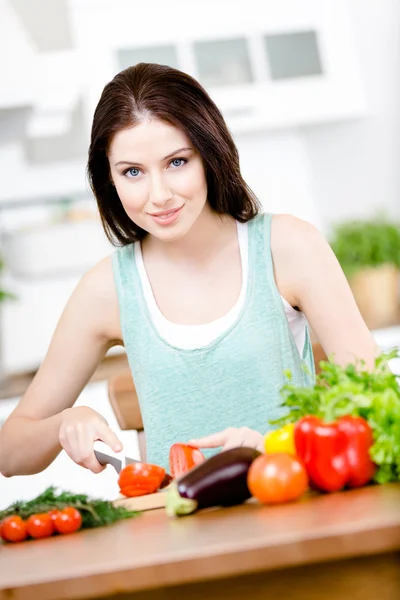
<point x="151" y="90"/>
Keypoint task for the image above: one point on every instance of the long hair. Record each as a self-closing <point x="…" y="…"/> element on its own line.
<point x="158" y="91"/>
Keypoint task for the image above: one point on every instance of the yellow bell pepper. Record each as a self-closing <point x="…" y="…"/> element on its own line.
<point x="280" y="440"/>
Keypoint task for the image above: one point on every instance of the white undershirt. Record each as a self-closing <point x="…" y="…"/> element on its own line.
<point x="190" y="337"/>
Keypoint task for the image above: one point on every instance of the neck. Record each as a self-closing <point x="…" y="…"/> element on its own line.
<point x="209" y="233"/>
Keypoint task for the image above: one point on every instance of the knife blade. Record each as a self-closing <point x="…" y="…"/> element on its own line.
<point x="106" y="456"/>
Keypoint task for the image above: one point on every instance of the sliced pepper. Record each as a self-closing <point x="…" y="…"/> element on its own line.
<point x="336" y="454"/>
<point x="280" y="440"/>
<point x="182" y="458"/>
<point x="138" y="479"/>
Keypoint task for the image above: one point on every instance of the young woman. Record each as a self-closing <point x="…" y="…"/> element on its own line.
<point x="210" y="297"/>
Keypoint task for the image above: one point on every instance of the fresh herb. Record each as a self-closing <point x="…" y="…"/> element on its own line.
<point x="354" y="390"/>
<point x="95" y="513"/>
<point x="362" y="244"/>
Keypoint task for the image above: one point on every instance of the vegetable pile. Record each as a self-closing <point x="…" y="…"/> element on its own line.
<point x="374" y="396"/>
<point x="57" y="513"/>
<point x="342" y="433"/>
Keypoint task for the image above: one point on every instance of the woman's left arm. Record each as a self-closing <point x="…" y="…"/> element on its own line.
<point x="309" y="276"/>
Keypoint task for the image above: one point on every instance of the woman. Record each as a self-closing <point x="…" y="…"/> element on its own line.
<point x="210" y="297"/>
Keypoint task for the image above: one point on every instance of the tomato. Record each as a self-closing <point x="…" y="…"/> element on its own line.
<point x="182" y="458"/>
<point x="280" y="440"/>
<point x="40" y="525"/>
<point x="68" y="520"/>
<point x="139" y="479"/>
<point x="13" y="529"/>
<point x="53" y="513"/>
<point x="276" y="478"/>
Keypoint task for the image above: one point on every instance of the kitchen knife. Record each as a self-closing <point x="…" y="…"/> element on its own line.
<point x="106" y="456"/>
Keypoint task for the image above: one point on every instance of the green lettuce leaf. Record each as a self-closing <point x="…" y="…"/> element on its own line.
<point x="354" y="390"/>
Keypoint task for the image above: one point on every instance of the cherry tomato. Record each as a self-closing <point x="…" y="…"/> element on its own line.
<point x="13" y="529"/>
<point x="182" y="458"/>
<point x="40" y="525"/>
<point x="68" y="520"/>
<point x="139" y="479"/>
<point x="276" y="478"/>
<point x="53" y="513"/>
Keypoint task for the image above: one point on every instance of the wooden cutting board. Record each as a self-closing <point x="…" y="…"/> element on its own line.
<point x="140" y="503"/>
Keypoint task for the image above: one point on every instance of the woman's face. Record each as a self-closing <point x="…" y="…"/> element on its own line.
<point x="159" y="178"/>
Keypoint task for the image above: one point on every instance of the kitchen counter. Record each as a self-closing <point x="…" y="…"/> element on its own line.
<point x="324" y="547"/>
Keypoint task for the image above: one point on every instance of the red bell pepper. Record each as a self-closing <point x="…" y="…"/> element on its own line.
<point x="182" y="458"/>
<point x="335" y="455"/>
<point x="139" y="479"/>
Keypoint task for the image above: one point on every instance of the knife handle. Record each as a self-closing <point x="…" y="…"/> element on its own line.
<point x="106" y="456"/>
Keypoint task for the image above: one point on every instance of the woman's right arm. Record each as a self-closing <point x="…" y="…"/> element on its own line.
<point x="44" y="421"/>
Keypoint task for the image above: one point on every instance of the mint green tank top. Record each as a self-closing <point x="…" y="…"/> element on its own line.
<point x="234" y="381"/>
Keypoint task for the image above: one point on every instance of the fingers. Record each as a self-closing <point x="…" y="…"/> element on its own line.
<point x="77" y="440"/>
<point x="90" y="462"/>
<point x="107" y="436"/>
<point x="260" y="446"/>
<point x="236" y="438"/>
<point x="211" y="441"/>
<point x="232" y="437"/>
<point x="78" y="444"/>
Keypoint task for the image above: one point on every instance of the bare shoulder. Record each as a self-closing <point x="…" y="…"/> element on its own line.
<point x="97" y="295"/>
<point x="296" y="245"/>
<point x="99" y="278"/>
<point x="289" y="233"/>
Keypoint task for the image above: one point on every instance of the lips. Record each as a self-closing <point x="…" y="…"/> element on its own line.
<point x="166" y="217"/>
<point x="166" y="213"/>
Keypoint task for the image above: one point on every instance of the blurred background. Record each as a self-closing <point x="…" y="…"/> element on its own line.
<point x="310" y="91"/>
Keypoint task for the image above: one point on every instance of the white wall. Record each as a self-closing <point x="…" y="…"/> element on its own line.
<point x="278" y="170"/>
<point x="355" y="165"/>
<point x="322" y="173"/>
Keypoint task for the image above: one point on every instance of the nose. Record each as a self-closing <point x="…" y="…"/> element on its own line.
<point x="160" y="192"/>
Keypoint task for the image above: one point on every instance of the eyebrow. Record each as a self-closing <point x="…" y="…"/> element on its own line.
<point x="132" y="162"/>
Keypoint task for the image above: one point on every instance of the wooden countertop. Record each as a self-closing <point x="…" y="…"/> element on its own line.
<point x="152" y="551"/>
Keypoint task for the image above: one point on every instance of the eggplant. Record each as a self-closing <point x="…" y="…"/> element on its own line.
<point x="219" y="481"/>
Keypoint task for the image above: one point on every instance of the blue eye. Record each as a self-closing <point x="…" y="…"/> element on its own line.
<point x="178" y="162"/>
<point x="132" y="172"/>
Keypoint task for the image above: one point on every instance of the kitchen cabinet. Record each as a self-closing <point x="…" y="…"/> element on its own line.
<point x="288" y="65"/>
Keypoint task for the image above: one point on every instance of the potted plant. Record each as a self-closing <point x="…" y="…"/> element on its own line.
<point x="369" y="254"/>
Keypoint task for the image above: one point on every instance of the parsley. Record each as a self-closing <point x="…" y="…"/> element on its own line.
<point x="95" y="513"/>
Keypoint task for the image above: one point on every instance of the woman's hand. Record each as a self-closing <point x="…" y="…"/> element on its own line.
<point x="231" y="438"/>
<point x="80" y="428"/>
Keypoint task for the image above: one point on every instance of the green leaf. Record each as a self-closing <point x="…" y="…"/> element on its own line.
<point x="354" y="390"/>
<point x="95" y="512"/>
<point x="366" y="243"/>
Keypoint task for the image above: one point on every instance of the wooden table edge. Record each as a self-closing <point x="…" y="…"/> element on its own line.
<point x="198" y="569"/>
